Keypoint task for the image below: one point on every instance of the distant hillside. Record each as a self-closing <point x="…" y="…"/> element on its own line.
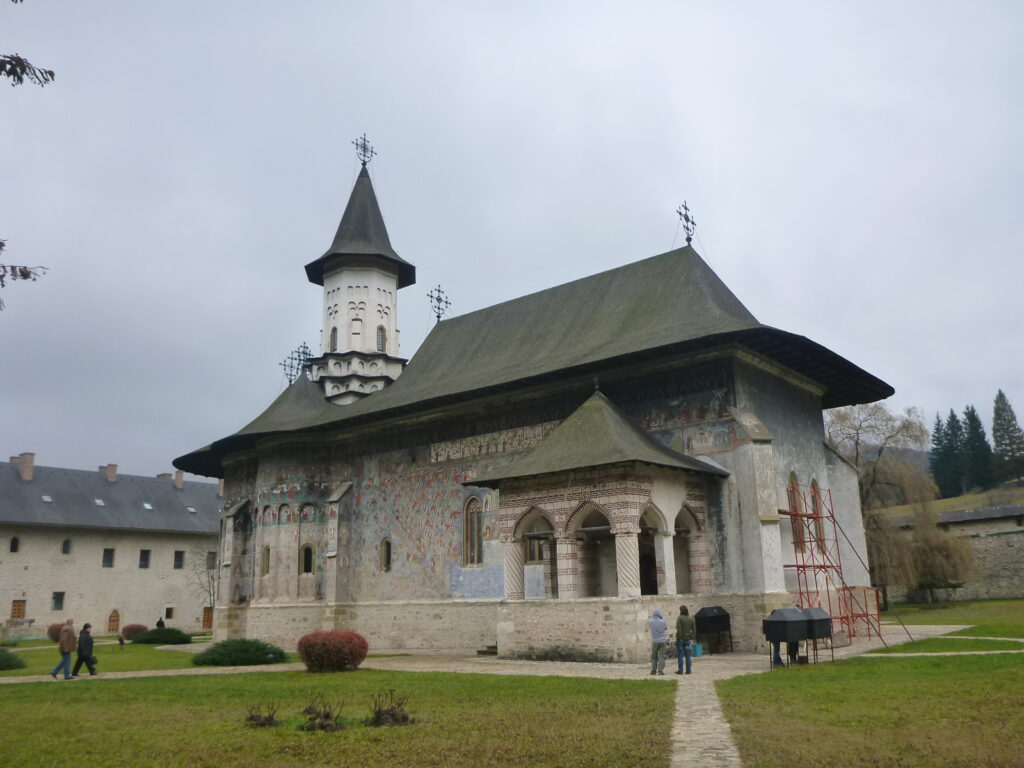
<point x="996" y="497"/>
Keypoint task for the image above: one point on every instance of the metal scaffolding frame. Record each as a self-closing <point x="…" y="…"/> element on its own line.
<point x="818" y="564"/>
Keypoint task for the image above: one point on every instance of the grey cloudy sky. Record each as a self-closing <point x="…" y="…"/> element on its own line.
<point x="855" y="169"/>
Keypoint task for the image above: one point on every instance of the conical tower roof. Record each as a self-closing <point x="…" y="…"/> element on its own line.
<point x="362" y="233"/>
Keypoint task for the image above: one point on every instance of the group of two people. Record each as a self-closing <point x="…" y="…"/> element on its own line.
<point x="686" y="632"/>
<point x="67" y="643"/>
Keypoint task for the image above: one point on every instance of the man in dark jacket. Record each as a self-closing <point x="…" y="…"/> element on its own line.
<point x="85" y="651"/>
<point x="686" y="631"/>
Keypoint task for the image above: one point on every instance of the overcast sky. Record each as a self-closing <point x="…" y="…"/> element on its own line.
<point x="855" y="170"/>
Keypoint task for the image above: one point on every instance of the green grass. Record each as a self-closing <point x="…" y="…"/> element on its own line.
<point x="937" y="712"/>
<point x="997" y="497"/>
<point x="462" y="720"/>
<point x="39" y="661"/>
<point x="949" y="644"/>
<point x="986" y="614"/>
<point x="923" y="712"/>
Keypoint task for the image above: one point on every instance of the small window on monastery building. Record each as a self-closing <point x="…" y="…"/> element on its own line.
<point x="108" y="558"/>
<point x="307" y="559"/>
<point x="796" y="522"/>
<point x="57" y="601"/>
<point x="169" y="613"/>
<point x="817" y="511"/>
<point x="15" y="544"/>
<point x="211" y="560"/>
<point x="192" y="510"/>
<point x="65" y="547"/>
<point x="385" y="555"/>
<point x="472" y="539"/>
<point x="179" y="559"/>
<point x="146" y="505"/>
<point x="334" y="340"/>
<point x="265" y="562"/>
<point x="47" y="499"/>
<point x="99" y="502"/>
<point x="143" y="558"/>
<point x="382" y="339"/>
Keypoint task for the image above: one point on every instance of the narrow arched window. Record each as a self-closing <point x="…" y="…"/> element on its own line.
<point x="382" y="339"/>
<point x="796" y="522"/>
<point x="472" y="539"/>
<point x="817" y="512"/>
<point x="385" y="555"/>
<point x="15" y="544"/>
<point x="65" y="547"/>
<point x="334" y="340"/>
<point x="265" y="562"/>
<point x="307" y="559"/>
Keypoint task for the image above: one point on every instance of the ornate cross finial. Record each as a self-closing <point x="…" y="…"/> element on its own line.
<point x="689" y="223"/>
<point x="364" y="150"/>
<point x="439" y="302"/>
<point x="296" y="362"/>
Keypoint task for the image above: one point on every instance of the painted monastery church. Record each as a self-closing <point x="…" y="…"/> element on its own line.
<point x="543" y="473"/>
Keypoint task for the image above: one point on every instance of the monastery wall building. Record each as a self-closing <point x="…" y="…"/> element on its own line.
<point x="105" y="548"/>
<point x="542" y="473"/>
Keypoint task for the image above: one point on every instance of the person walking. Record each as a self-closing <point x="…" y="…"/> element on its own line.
<point x="659" y="642"/>
<point x="84" y="651"/>
<point x="66" y="644"/>
<point x="686" y="632"/>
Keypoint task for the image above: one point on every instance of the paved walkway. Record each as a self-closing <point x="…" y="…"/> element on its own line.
<point x="700" y="733"/>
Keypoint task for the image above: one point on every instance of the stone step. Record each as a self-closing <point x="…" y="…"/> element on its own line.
<point x="489" y="650"/>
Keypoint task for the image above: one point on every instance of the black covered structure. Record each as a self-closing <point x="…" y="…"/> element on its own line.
<point x="784" y="625"/>
<point x="713" y="628"/>
<point x="819" y="627"/>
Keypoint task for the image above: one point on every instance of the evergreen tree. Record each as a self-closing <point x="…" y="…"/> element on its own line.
<point x="935" y="454"/>
<point x="1007" y="440"/>
<point x="977" y="453"/>
<point x="947" y="464"/>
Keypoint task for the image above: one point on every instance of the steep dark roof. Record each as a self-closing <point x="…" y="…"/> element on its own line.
<point x="672" y="303"/>
<point x="594" y="435"/>
<point x="73" y="492"/>
<point x="362" y="233"/>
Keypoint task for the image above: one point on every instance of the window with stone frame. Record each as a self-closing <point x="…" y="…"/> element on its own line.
<point x="169" y="612"/>
<point x="333" y="347"/>
<point x="57" y="601"/>
<point x="15" y="544"/>
<point x="211" y="560"/>
<point x="385" y="555"/>
<point x="143" y="558"/>
<point x="65" y="547"/>
<point x="796" y="522"/>
<point x="382" y="339"/>
<point x="472" y="533"/>
<point x="265" y="562"/>
<point x="179" y="559"/>
<point x="108" y="557"/>
<point x="306" y="559"/>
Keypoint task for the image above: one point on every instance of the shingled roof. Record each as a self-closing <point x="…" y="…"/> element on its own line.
<point x="67" y="498"/>
<point x="671" y="303"/>
<point x="596" y="434"/>
<point x="362" y="233"/>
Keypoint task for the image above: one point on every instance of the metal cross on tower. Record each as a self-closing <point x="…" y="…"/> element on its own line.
<point x="364" y="150"/>
<point x="689" y="223"/>
<point x="439" y="302"/>
<point x="296" y="362"/>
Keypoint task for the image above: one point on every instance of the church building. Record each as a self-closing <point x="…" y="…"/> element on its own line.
<point x="543" y="473"/>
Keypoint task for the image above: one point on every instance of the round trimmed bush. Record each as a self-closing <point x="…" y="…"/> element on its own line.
<point x="240" y="652"/>
<point x="165" y="636"/>
<point x="336" y="650"/>
<point x="9" y="660"/>
<point x="53" y="632"/>
<point x="131" y="630"/>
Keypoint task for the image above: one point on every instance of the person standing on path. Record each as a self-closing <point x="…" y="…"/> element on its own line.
<point x="659" y="642"/>
<point x="65" y="645"/>
<point x="686" y="631"/>
<point x="160" y="623"/>
<point x="84" y="652"/>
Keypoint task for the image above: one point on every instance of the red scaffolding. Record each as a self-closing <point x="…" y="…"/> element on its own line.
<point x="818" y="565"/>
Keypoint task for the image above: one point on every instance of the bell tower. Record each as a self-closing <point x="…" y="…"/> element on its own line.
<point x="361" y="275"/>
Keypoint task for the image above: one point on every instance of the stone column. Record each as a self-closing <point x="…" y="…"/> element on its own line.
<point x="567" y="560"/>
<point x="700" y="564"/>
<point x="666" y="560"/>
<point x="627" y="564"/>
<point x="514" y="576"/>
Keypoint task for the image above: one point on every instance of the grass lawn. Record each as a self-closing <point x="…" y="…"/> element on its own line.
<point x="39" y="661"/>
<point x="937" y="712"/>
<point x="462" y="720"/>
<point x="949" y="644"/>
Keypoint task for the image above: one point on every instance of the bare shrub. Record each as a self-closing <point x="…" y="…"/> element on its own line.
<point x="322" y="715"/>
<point x="263" y="715"/>
<point x="388" y="708"/>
